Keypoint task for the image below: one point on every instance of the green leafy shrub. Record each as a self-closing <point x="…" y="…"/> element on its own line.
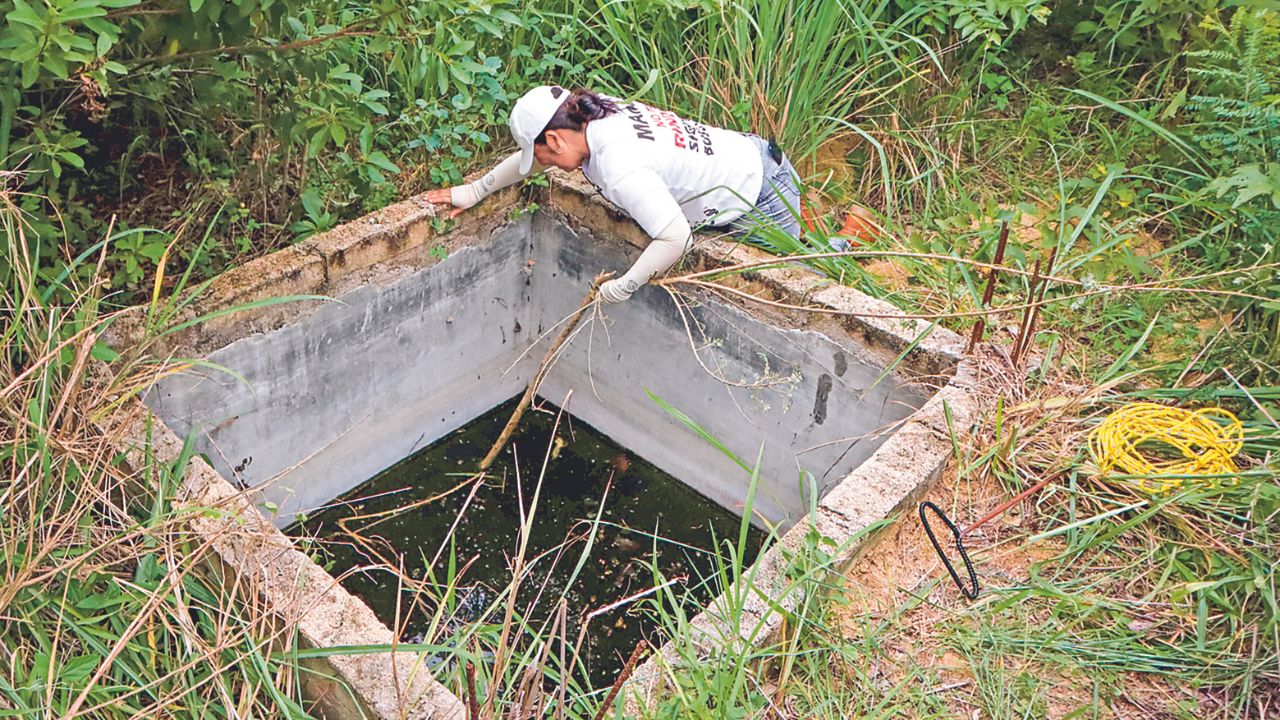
<point x="1237" y="124"/>
<point x="989" y="23"/>
<point x="165" y="117"/>
<point x="1151" y="30"/>
<point x="1239" y="112"/>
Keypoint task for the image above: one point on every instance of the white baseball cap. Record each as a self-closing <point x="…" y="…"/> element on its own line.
<point x="530" y="116"/>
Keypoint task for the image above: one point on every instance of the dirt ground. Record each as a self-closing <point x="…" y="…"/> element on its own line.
<point x="900" y="581"/>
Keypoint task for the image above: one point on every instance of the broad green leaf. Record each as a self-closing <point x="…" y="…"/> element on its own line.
<point x="507" y="17"/>
<point x="312" y="203"/>
<point x="487" y="25"/>
<point x="77" y="670"/>
<point x="461" y="47"/>
<point x="72" y="159"/>
<point x="101" y="351"/>
<point x="1249" y="182"/>
<point x="56" y="65"/>
<point x="366" y="139"/>
<point x="30" y="70"/>
<point x="461" y="75"/>
<point x="25" y="15"/>
<point x="317" y="141"/>
<point x="382" y="161"/>
<point x="91" y="11"/>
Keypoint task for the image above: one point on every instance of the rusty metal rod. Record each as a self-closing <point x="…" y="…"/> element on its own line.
<point x="981" y="326"/>
<point x="1000" y="509"/>
<point x="636" y="654"/>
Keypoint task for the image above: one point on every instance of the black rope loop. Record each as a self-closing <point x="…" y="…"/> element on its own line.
<point x="972" y="594"/>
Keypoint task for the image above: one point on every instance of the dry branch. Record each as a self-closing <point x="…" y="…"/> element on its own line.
<point x="541" y="373"/>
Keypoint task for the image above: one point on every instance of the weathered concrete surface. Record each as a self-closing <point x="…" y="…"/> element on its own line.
<point x="811" y="406"/>
<point x="361" y="262"/>
<point x="754" y="611"/>
<point x="306" y="412"/>
<point x="299" y="593"/>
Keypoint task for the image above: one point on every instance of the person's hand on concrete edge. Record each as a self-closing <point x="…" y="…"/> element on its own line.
<point x="444" y="196"/>
<point x="462" y="197"/>
<point x="616" y="291"/>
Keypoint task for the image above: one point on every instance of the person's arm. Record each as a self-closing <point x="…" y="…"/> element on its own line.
<point x="502" y="175"/>
<point x="462" y="197"/>
<point x="666" y="248"/>
<point x="648" y="200"/>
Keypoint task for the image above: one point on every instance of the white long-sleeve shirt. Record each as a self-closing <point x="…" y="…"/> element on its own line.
<point x="670" y="174"/>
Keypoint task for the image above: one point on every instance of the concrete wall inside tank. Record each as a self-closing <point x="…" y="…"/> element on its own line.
<point x="315" y="407"/>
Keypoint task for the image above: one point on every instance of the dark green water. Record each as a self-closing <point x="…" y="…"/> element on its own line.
<point x="643" y="502"/>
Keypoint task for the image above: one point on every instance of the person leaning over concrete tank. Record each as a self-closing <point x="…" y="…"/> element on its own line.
<point x="670" y="174"/>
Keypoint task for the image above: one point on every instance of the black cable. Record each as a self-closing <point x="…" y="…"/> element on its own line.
<point x="972" y="594"/>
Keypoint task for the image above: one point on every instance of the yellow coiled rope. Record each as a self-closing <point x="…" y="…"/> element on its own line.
<point x="1207" y="445"/>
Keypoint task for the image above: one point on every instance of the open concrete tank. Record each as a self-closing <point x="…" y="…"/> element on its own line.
<point x="293" y="404"/>
<point x="305" y="412"/>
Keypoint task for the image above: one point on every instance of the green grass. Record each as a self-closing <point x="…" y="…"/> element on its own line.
<point x="1127" y="162"/>
<point x="789" y="70"/>
<point x="108" y="608"/>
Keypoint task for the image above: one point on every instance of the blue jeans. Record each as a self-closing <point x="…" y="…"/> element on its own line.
<point x="779" y="200"/>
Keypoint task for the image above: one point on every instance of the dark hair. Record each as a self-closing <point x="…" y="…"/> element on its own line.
<point x="582" y="107"/>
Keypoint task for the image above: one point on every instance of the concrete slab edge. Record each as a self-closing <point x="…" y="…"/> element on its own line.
<point x="298" y="592"/>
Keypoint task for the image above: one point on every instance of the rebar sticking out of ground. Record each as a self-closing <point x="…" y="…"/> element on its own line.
<point x="980" y="326"/>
